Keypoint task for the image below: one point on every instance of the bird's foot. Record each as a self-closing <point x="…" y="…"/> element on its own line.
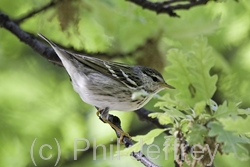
<point x="115" y="124"/>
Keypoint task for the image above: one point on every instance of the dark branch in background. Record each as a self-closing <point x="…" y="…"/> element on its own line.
<point x="27" y="38"/>
<point x="34" y="12"/>
<point x="96" y="54"/>
<point x="159" y="7"/>
<point x="168" y="6"/>
<point x="47" y="51"/>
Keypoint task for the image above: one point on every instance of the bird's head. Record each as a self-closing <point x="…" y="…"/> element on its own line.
<point x="154" y="82"/>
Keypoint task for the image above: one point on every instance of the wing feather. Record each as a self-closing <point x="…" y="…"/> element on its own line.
<point x="128" y="75"/>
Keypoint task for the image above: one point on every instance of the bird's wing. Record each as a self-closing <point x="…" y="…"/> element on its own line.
<point x="128" y="75"/>
<point x="125" y="74"/>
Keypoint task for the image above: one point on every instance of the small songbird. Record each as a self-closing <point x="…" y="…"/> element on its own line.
<point x="109" y="85"/>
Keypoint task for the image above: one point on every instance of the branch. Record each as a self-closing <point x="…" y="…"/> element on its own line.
<point x="32" y="13"/>
<point x="139" y="156"/>
<point x="167" y="6"/>
<point x="27" y="38"/>
<point x="47" y="51"/>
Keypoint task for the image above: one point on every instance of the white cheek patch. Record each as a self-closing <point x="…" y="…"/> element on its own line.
<point x="139" y="94"/>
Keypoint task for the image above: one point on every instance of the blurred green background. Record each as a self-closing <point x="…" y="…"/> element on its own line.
<point x="36" y="97"/>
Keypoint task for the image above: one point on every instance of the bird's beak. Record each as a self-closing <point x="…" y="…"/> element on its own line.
<point x="165" y="85"/>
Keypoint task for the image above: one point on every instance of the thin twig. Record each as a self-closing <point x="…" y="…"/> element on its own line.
<point x="34" y="12"/>
<point x="168" y="7"/>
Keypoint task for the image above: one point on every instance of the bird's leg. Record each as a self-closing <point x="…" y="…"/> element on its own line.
<point x="104" y="116"/>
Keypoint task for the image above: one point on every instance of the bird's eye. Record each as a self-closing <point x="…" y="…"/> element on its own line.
<point x="155" y="79"/>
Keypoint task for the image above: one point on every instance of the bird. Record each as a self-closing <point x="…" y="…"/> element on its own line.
<point x="110" y="85"/>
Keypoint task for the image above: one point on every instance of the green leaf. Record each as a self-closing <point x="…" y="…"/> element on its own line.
<point x="244" y="111"/>
<point x="149" y="137"/>
<point x="197" y="134"/>
<point x="141" y="140"/>
<point x="170" y="110"/>
<point x="199" y="107"/>
<point x="179" y="69"/>
<point x="162" y="117"/>
<point x="203" y="62"/>
<point x="226" y="110"/>
<point x="173" y="113"/>
<point x="240" y="125"/>
<point x="171" y="103"/>
<point x="191" y="73"/>
<point x="169" y="144"/>
<point x="184" y="125"/>
<point x="230" y="142"/>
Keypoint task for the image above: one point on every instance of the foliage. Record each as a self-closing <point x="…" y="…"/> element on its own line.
<point x="203" y="116"/>
<point x="142" y="140"/>
<point x="206" y="55"/>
